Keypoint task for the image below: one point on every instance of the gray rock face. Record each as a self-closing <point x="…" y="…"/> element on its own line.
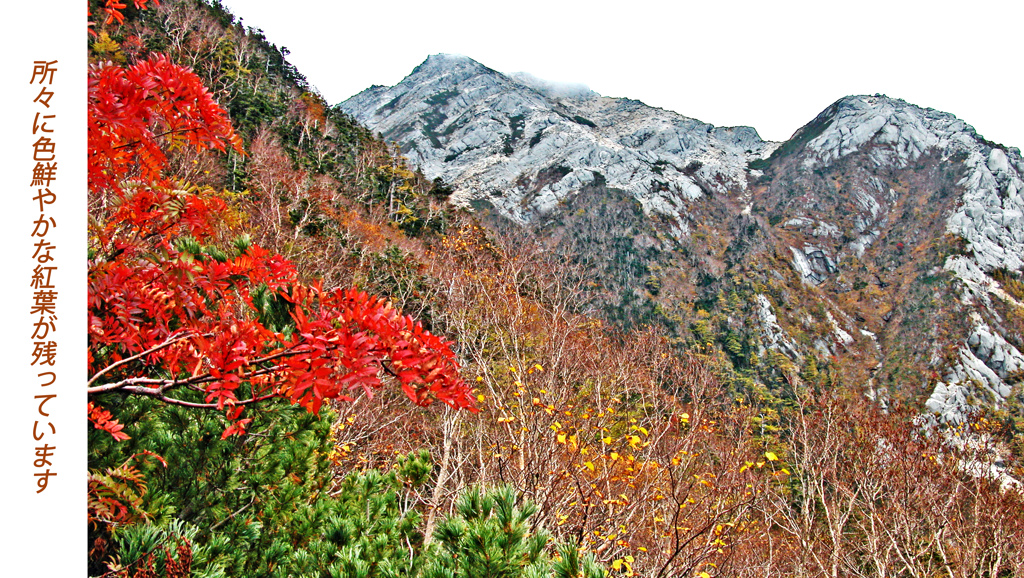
<point x="813" y="264"/>
<point x="774" y="337"/>
<point x="1001" y="357"/>
<point x="865" y="183"/>
<point x="526" y="144"/>
<point x="991" y="214"/>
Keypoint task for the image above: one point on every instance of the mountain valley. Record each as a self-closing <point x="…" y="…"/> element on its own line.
<point x="883" y="240"/>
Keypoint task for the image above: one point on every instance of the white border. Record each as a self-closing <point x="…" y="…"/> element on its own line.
<point x="45" y="533"/>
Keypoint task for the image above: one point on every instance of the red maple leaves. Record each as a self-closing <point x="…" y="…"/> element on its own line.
<point x="171" y="309"/>
<point x="135" y="111"/>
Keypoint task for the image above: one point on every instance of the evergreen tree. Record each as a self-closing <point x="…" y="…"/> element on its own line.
<point x="490" y="535"/>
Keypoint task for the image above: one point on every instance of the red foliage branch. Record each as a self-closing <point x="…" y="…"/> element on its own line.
<point x="182" y="321"/>
<point x="112" y="8"/>
<point x="168" y="314"/>
<point x="103" y="420"/>
<point x="135" y="110"/>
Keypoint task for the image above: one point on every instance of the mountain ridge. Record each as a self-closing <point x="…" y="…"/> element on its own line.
<point x="571" y="133"/>
<point x="848" y="219"/>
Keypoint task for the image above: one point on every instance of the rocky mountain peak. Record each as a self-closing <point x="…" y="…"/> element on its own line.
<point x="525" y="144"/>
<point x="894" y="134"/>
<point x="871" y="174"/>
<point x="900" y="132"/>
<point x="873" y="211"/>
<point x="447" y="67"/>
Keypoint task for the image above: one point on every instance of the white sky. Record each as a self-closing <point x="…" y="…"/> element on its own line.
<point x="773" y="65"/>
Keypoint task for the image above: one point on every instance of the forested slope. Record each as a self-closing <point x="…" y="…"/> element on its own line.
<point x="649" y="458"/>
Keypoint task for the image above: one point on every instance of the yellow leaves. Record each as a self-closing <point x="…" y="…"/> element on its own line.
<point x="560" y="438"/>
<point x="589" y="465"/>
<point x="771" y="457"/>
<point x="624" y="565"/>
<point x="634" y="441"/>
<point x="480" y="398"/>
<point x="614" y="456"/>
<point x="105" y="44"/>
<point x="607" y="440"/>
<point x="479" y="378"/>
<point x="506" y="419"/>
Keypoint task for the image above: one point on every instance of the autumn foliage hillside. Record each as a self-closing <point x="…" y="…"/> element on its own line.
<point x="592" y="451"/>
